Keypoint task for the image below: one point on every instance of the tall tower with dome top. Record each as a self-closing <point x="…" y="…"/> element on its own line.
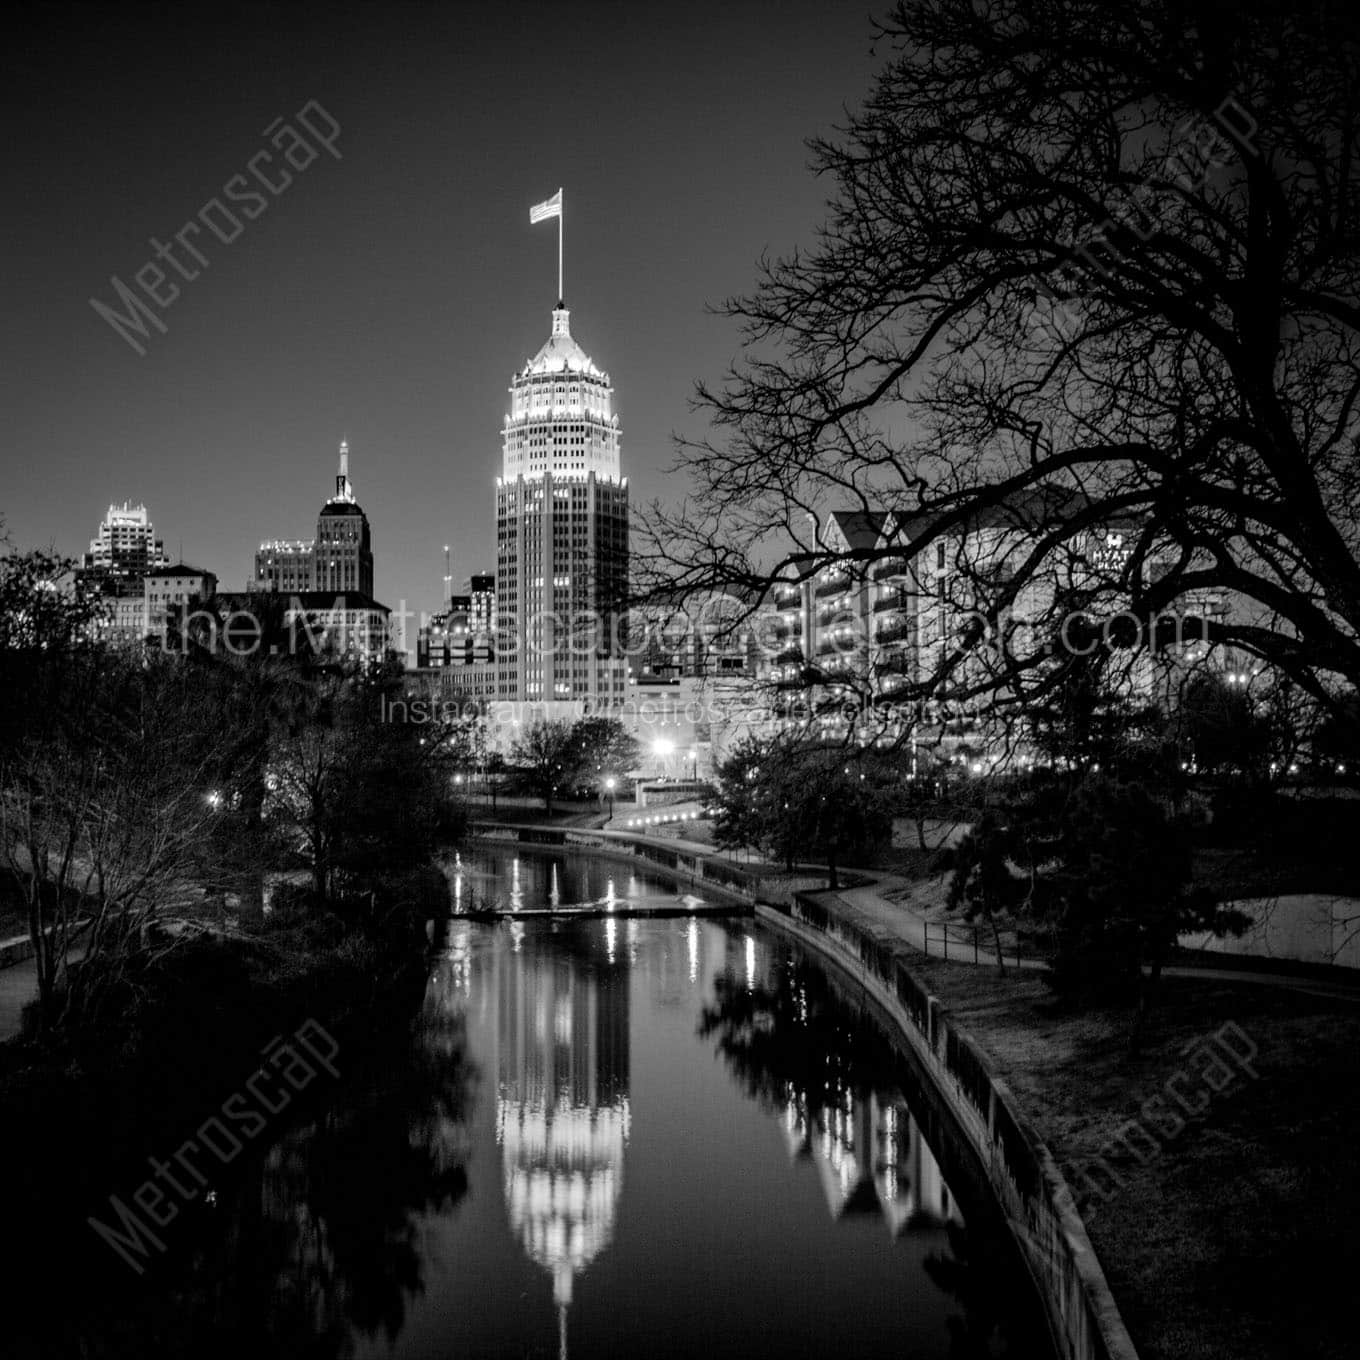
<point x="561" y="532"/>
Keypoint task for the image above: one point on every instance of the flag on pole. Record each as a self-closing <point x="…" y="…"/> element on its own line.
<point x="550" y="207"/>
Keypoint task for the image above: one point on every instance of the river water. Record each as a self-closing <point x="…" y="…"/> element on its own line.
<point x="604" y="1137"/>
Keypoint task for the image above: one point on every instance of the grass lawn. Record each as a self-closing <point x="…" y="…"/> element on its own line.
<point x="1234" y="1239"/>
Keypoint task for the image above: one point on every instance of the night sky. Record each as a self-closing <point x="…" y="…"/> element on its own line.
<point x="390" y="294"/>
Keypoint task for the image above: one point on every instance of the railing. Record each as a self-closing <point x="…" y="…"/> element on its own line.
<point x="964" y="938"/>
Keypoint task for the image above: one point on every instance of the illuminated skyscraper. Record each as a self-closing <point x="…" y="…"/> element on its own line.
<point x="121" y="555"/>
<point x="561" y="531"/>
<point x="344" y="544"/>
<point x="339" y="560"/>
<point x="125" y="548"/>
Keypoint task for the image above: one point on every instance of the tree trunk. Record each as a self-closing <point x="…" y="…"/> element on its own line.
<point x="252" y="885"/>
<point x="996" y="941"/>
<point x="43" y="936"/>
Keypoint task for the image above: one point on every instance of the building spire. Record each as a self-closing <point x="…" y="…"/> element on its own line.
<point x="343" y="490"/>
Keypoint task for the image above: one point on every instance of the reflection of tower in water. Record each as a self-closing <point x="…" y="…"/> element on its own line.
<point x="871" y="1157"/>
<point x="562" y="1111"/>
<point x="868" y="1149"/>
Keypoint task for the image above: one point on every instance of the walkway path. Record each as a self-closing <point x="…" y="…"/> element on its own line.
<point x="907" y="923"/>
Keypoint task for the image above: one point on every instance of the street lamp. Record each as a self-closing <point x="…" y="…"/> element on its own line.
<point x="609" y="786"/>
<point x="694" y="764"/>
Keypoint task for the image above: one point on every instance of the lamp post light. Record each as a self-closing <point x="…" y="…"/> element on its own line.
<point x="609" y="788"/>
<point x="694" y="764"/>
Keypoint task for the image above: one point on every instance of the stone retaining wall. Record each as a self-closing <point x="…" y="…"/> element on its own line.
<point x="1037" y="1203"/>
<point x="732" y="880"/>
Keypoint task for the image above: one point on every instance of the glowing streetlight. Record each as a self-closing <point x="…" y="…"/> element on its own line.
<point x="609" y="787"/>
<point x="663" y="749"/>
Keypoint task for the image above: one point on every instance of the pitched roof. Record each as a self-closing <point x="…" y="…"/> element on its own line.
<point x="859" y="528"/>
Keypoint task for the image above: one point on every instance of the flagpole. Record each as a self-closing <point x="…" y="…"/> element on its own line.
<point x="561" y="213"/>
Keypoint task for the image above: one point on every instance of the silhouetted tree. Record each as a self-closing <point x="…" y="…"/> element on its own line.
<point x="601" y="748"/>
<point x="1082" y="269"/>
<point x="546" y="756"/>
<point x="792" y="799"/>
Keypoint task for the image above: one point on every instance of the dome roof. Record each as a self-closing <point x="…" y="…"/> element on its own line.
<point x="560" y="353"/>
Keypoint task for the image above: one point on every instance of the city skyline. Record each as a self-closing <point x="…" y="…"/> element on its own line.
<point x="379" y="299"/>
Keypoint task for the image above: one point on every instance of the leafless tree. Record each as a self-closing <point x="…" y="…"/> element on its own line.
<point x="107" y="804"/>
<point x="1084" y="266"/>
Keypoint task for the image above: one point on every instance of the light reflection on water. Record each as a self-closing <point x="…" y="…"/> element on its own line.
<point x="561" y="1047"/>
<point x="633" y="1162"/>
<point x="516" y="881"/>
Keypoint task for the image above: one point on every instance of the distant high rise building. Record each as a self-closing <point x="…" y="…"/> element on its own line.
<point x="125" y="548"/>
<point x="121" y="554"/>
<point x="339" y="560"/>
<point x="344" y="544"/>
<point x="446" y="640"/>
<point x="461" y="635"/>
<point x="481" y="593"/>
<point x="561" y="531"/>
<point x="481" y="597"/>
